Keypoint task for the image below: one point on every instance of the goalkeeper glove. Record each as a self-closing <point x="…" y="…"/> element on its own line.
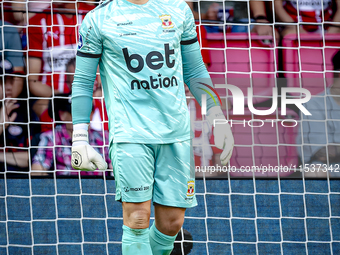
<point x="223" y="137"/>
<point x="84" y="157"/>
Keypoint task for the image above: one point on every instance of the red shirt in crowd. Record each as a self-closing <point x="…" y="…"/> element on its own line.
<point x="309" y="11"/>
<point x="53" y="38"/>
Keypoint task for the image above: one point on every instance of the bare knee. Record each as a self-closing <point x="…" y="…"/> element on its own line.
<point x="175" y="227"/>
<point x="139" y="219"/>
<point x="170" y="227"/>
<point x="136" y="216"/>
<point x="169" y="220"/>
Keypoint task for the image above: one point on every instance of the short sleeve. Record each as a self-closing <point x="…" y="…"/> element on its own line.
<point x="90" y="42"/>
<point x="189" y="35"/>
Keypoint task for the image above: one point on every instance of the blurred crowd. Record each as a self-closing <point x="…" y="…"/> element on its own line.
<point x="269" y="17"/>
<point x="38" y="63"/>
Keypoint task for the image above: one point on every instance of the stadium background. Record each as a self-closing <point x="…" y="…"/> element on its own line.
<point x="279" y="215"/>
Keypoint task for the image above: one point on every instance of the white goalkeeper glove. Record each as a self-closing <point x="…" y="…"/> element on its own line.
<point x="84" y="157"/>
<point x="223" y="137"/>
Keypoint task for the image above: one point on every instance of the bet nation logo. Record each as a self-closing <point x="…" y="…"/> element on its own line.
<point x="166" y="21"/>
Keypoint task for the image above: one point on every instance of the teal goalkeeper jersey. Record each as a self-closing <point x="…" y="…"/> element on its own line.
<point x="139" y="47"/>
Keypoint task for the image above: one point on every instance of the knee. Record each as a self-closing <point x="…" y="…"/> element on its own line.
<point x="171" y="227"/>
<point x="138" y="219"/>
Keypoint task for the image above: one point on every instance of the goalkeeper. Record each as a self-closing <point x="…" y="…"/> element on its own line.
<point x="146" y="51"/>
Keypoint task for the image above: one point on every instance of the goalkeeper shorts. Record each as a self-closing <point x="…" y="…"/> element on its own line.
<point x="164" y="173"/>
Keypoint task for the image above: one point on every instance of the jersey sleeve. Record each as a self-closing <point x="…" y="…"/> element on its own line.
<point x="189" y="35"/>
<point x="196" y="76"/>
<point x="90" y="42"/>
<point x="88" y="56"/>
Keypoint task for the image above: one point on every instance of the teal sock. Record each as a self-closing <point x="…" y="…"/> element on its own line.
<point x="136" y="241"/>
<point x="160" y="244"/>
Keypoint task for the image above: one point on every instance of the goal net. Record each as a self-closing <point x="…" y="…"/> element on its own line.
<point x="280" y="192"/>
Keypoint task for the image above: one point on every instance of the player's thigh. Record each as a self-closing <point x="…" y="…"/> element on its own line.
<point x="169" y="220"/>
<point x="175" y="175"/>
<point x="136" y="215"/>
<point x="133" y="168"/>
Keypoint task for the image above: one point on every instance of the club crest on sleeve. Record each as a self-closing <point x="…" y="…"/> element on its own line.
<point x="80" y="42"/>
<point x="166" y="21"/>
<point x="191" y="188"/>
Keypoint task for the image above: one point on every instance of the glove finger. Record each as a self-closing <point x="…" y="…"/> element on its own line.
<point x="102" y="165"/>
<point x="224" y="161"/>
<point x="227" y="152"/>
<point x="98" y="160"/>
<point x="219" y="143"/>
<point x="221" y="134"/>
<point x="92" y="166"/>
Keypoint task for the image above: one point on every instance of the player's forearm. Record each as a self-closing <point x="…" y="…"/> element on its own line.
<point x="39" y="89"/>
<point x="36" y="87"/>
<point x="196" y="75"/>
<point x="82" y="89"/>
<point x="18" y="158"/>
<point x="38" y="170"/>
<point x="281" y="13"/>
<point x="257" y="8"/>
<point x="336" y="17"/>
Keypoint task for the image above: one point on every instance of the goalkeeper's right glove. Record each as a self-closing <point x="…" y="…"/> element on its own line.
<point x="84" y="157"/>
<point x="223" y="137"/>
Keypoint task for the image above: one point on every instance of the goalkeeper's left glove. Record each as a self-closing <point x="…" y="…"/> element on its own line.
<point x="84" y="157"/>
<point x="223" y="137"/>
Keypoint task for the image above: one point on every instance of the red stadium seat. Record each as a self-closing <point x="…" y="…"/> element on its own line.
<point x="230" y="58"/>
<point x="313" y="59"/>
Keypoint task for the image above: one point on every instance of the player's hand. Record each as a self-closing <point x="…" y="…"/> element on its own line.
<point x="223" y="137"/>
<point x="224" y="140"/>
<point x="84" y="157"/>
<point x="10" y="116"/>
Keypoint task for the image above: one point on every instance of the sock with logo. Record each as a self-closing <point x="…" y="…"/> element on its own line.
<point x="160" y="244"/>
<point x="135" y="241"/>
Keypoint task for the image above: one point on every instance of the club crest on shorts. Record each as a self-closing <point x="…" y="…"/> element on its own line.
<point x="191" y="188"/>
<point x="166" y="21"/>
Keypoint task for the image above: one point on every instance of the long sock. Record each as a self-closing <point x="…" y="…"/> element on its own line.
<point x="136" y="241"/>
<point x="160" y="244"/>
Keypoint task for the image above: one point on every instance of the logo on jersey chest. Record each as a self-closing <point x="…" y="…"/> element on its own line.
<point x="154" y="60"/>
<point x="166" y="21"/>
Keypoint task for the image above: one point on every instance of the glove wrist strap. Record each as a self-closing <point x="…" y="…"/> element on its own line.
<point x="82" y="126"/>
<point x="80" y="135"/>
<point x="214" y="113"/>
